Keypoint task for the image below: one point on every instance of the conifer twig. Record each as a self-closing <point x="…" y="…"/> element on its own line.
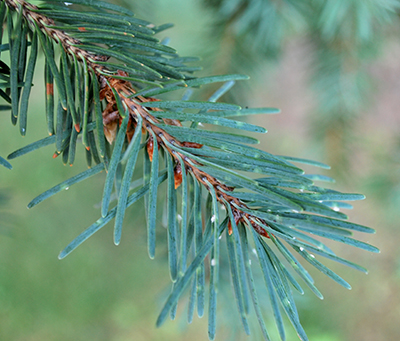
<point x="97" y="94"/>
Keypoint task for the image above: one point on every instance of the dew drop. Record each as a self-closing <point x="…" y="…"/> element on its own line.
<point x="213" y="218"/>
<point x="336" y="209"/>
<point x="301" y="248"/>
<point x="213" y="262"/>
<point x="250" y="261"/>
<point x="312" y="256"/>
<point x="254" y="251"/>
<point x="66" y="188"/>
<point x="179" y="217"/>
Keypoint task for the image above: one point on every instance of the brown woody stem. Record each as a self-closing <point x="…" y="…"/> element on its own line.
<point x="111" y="117"/>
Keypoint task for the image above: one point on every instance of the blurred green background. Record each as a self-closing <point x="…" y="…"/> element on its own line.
<point x="103" y="292"/>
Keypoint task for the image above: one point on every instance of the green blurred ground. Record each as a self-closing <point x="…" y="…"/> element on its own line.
<point x="103" y="292"/>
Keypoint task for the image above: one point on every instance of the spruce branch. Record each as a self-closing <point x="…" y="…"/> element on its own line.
<point x="110" y="71"/>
